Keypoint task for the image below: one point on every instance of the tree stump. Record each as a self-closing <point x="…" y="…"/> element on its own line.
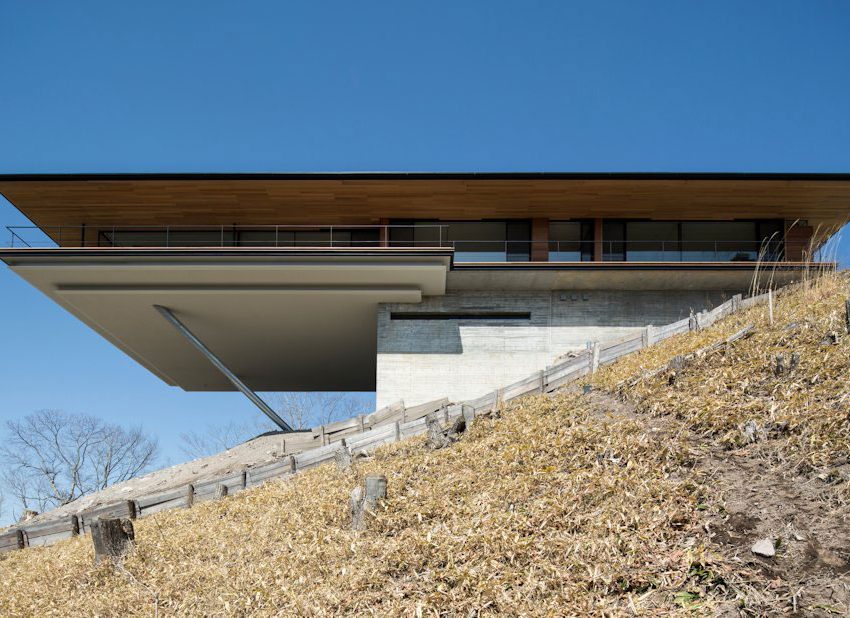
<point x="436" y="437"/>
<point x="112" y="538"/>
<point x="342" y="457"/>
<point x="364" y="500"/>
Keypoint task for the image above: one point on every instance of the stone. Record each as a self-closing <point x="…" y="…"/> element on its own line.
<point x="764" y="548"/>
<point x="751" y="431"/>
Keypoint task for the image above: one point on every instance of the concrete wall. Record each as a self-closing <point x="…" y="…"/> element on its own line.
<point x="422" y="360"/>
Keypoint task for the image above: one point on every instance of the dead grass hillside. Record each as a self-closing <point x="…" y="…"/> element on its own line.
<point x="634" y="500"/>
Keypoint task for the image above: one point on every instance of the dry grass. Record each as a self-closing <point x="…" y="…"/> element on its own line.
<point x="715" y="396"/>
<point x="556" y="508"/>
<point x="542" y="512"/>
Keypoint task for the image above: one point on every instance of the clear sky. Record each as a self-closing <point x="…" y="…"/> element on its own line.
<point x="423" y="86"/>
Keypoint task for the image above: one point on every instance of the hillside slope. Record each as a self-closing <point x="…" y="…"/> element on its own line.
<point x="642" y="497"/>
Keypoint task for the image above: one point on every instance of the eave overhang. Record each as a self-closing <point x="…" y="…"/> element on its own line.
<point x="105" y="200"/>
<point x="279" y="320"/>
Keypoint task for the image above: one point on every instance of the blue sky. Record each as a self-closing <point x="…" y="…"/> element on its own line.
<point x="436" y="86"/>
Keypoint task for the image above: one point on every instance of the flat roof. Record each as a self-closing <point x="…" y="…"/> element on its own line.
<point x="339" y="198"/>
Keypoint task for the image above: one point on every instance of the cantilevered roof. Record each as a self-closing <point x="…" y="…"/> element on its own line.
<point x="357" y="197"/>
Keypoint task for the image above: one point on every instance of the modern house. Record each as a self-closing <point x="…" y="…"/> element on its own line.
<point x="415" y="285"/>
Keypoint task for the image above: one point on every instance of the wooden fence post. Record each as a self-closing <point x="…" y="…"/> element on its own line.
<point x="22" y="539"/>
<point x="362" y="420"/>
<point x="244" y="479"/>
<point x="594" y="357"/>
<point x="692" y="322"/>
<point x="323" y="436"/>
<point x="646" y="336"/>
<point x="543" y="381"/>
<point x="131" y="509"/>
<point x="190" y="495"/>
<point x="397" y="431"/>
<point x="468" y="413"/>
<point x="75" y="525"/>
<point x="293" y="465"/>
<point x="220" y="491"/>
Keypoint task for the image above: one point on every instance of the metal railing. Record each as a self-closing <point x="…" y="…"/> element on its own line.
<point x="398" y="236"/>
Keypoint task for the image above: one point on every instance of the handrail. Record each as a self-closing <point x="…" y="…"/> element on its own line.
<point x="335" y="236"/>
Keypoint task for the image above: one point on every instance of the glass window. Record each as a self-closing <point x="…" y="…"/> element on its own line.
<point x="473" y="241"/>
<point x="613" y="241"/>
<point x="483" y="241"/>
<point x="719" y="241"/>
<point x="570" y="241"/>
<point x="652" y="241"/>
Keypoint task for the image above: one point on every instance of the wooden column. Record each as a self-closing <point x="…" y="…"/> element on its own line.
<point x="597" y="240"/>
<point x="797" y="243"/>
<point x="540" y="240"/>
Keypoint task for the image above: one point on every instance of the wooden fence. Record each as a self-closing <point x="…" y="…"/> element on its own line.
<point x="364" y="433"/>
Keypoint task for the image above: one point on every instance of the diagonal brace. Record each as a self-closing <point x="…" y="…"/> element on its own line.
<point x="262" y="405"/>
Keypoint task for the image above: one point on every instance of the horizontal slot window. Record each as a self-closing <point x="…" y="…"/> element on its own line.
<point x="494" y="315"/>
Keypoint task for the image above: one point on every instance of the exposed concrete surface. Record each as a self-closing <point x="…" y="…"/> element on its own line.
<point x="467" y="358"/>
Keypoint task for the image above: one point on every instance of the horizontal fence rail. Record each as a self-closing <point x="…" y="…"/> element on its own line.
<point x="365" y="433"/>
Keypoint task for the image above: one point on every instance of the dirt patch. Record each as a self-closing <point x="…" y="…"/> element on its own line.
<point x="754" y="498"/>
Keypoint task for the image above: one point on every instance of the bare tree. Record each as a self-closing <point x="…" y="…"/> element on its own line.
<point x="217" y="438"/>
<point x="300" y="410"/>
<point x="52" y="458"/>
<point x="303" y="410"/>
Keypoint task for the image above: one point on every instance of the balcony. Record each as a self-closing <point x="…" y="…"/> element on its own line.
<point x="481" y="245"/>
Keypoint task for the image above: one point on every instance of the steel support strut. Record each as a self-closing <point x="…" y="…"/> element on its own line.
<point x="262" y="405"/>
